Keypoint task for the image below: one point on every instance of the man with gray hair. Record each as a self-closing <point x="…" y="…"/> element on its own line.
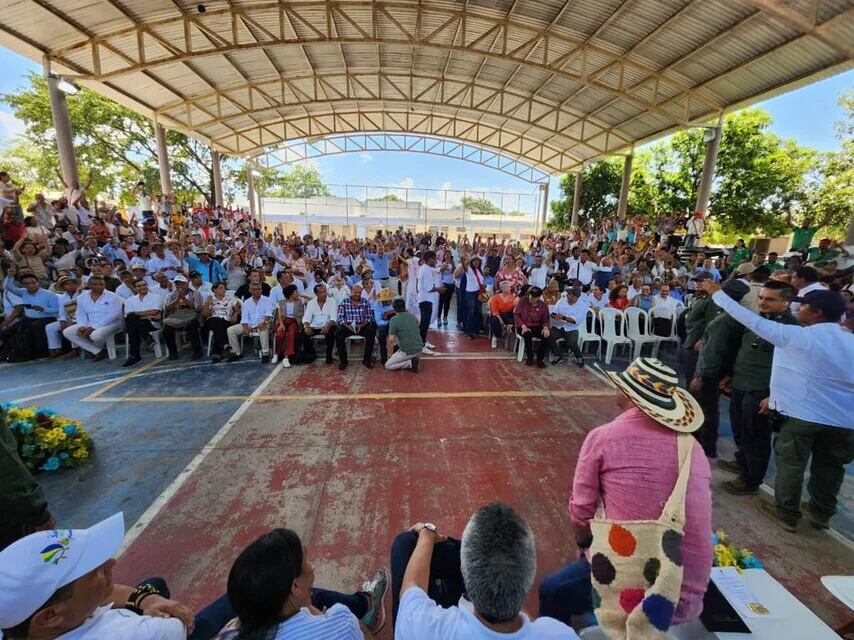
<point x="446" y="589"/>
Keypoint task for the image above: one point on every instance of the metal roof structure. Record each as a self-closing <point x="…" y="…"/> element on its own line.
<point x="554" y="83"/>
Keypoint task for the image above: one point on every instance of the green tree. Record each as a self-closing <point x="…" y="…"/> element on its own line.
<point x="599" y="194"/>
<point x="482" y="206"/>
<point x="300" y="182"/>
<point x="114" y="145"/>
<point x="389" y="197"/>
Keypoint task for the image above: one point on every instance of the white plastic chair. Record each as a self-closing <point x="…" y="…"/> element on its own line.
<point x="585" y="335"/>
<point x="636" y="328"/>
<point x="520" y="346"/>
<point x="610" y="320"/>
<point x="349" y="340"/>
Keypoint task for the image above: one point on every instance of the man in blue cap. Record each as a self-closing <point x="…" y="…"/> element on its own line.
<point x="812" y="383"/>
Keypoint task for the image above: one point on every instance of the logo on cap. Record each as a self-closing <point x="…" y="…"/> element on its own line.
<point x="55" y="552"/>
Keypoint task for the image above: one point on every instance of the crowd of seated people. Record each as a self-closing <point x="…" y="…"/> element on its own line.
<point x="167" y="269"/>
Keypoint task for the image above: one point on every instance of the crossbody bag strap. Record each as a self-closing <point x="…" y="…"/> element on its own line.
<point x="674" y="508"/>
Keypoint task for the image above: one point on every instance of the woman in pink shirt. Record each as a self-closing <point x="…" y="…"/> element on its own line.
<point x="630" y="464"/>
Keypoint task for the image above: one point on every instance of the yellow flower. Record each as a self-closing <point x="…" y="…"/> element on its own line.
<point x="80" y="454"/>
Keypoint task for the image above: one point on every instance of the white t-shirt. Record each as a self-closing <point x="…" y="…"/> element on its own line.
<point x="419" y="618"/>
<point x="124" y="624"/>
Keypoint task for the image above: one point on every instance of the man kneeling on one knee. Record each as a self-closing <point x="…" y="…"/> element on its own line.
<point x="403" y="334"/>
<point x="97" y="317"/>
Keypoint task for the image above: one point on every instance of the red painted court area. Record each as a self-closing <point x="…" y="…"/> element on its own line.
<point x="348" y="459"/>
<point x="349" y="473"/>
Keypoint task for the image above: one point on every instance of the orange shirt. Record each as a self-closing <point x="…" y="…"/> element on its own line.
<point x="498" y="304"/>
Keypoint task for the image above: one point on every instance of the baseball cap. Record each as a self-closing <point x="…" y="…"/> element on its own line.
<point x="179" y="278"/>
<point x="735" y="289"/>
<point x="535" y="292"/>
<point x="34" y="567"/>
<point x="745" y="268"/>
<point x="830" y="303"/>
<point x="702" y="275"/>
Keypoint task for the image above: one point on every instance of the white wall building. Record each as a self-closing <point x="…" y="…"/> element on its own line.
<point x="351" y="217"/>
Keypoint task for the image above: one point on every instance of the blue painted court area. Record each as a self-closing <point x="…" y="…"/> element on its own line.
<point x="140" y="447"/>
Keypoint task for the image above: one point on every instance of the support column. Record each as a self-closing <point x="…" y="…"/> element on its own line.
<point x="544" y="204"/>
<point x="163" y="159"/>
<point x="713" y="145"/>
<point x="62" y="126"/>
<point x="250" y="188"/>
<point x="624" y="187"/>
<point x="216" y="170"/>
<point x="576" y="198"/>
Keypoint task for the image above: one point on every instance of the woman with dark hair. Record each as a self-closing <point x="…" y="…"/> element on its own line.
<point x="619" y="297"/>
<point x="447" y="271"/>
<point x="289" y="315"/>
<point x="270" y="587"/>
<point x="220" y="311"/>
<point x="472" y="316"/>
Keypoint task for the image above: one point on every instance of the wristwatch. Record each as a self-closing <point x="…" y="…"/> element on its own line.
<point x="430" y="527"/>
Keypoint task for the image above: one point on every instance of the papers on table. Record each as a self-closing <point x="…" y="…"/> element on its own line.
<point x="738" y="594"/>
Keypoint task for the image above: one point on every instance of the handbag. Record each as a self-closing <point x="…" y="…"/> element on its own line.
<point x="636" y="565"/>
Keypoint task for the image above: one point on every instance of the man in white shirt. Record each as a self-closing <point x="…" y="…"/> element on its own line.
<point x="67" y="314"/>
<point x="805" y="280"/>
<point x="664" y="311"/>
<point x="582" y="269"/>
<point x="319" y="318"/>
<point x="694" y="230"/>
<point x="494" y="566"/>
<point x="58" y="584"/>
<point x="143" y="312"/>
<point x="256" y="317"/>
<point x="99" y="315"/>
<point x="812" y="384"/>
<point x="205" y="289"/>
<point x="567" y="315"/>
<point x="429" y="282"/>
<point x="538" y="274"/>
<point x="596" y="299"/>
<point x="163" y="262"/>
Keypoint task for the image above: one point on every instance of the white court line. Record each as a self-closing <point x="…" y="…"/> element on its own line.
<point x="145" y="519"/>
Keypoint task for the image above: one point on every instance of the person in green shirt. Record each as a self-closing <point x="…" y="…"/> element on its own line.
<point x="824" y="253"/>
<point x="740" y="253"/>
<point x="773" y="263"/>
<point x="750" y="384"/>
<point x="23" y="508"/>
<point x="403" y="332"/>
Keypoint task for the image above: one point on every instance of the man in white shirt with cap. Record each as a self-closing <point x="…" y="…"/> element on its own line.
<point x="58" y="584"/>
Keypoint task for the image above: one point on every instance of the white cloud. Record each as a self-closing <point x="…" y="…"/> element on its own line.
<point x="10" y="126"/>
<point x="365" y="158"/>
<point x="406" y="183"/>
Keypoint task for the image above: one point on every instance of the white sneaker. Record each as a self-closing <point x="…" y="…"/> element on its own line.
<point x="275" y="358"/>
<point x="429" y="345"/>
<point x="427" y="351"/>
<point x="494" y="342"/>
<point x="286" y="364"/>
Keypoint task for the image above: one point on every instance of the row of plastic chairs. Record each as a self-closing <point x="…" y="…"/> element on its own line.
<point x="629" y="328"/>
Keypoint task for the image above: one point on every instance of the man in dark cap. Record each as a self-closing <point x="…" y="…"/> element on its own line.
<point x="532" y="321"/>
<point x="811" y="386"/>
<point x="717" y="354"/>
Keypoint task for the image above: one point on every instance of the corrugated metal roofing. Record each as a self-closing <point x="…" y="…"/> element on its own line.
<point x="555" y="82"/>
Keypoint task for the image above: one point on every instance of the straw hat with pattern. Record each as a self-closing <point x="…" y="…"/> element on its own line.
<point x="385" y="295"/>
<point x="653" y="387"/>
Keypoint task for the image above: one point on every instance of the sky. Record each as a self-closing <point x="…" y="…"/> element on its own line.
<point x="807" y="115"/>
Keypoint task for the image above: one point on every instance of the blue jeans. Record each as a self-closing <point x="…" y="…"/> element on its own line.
<point x="472" y="318"/>
<point x="567" y="592"/>
<point x="210" y="620"/>
<point x="446" y="578"/>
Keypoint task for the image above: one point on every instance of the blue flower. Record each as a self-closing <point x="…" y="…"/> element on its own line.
<point x="10" y="405"/>
<point x="64" y="455"/>
<point x="23" y="426"/>
<point x="751" y="562"/>
<point x="715" y="539"/>
<point x="28" y="449"/>
<point x="70" y="430"/>
<point x="51" y="464"/>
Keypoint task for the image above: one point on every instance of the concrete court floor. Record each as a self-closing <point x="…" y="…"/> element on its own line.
<point x="349" y="459"/>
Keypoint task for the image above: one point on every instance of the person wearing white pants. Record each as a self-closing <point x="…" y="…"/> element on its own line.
<point x="99" y="315"/>
<point x="256" y="317"/>
<point x="67" y="309"/>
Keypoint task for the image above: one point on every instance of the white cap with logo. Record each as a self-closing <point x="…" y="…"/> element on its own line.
<point x="34" y="567"/>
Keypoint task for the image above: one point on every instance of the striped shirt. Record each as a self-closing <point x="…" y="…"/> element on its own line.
<point x="336" y="623"/>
